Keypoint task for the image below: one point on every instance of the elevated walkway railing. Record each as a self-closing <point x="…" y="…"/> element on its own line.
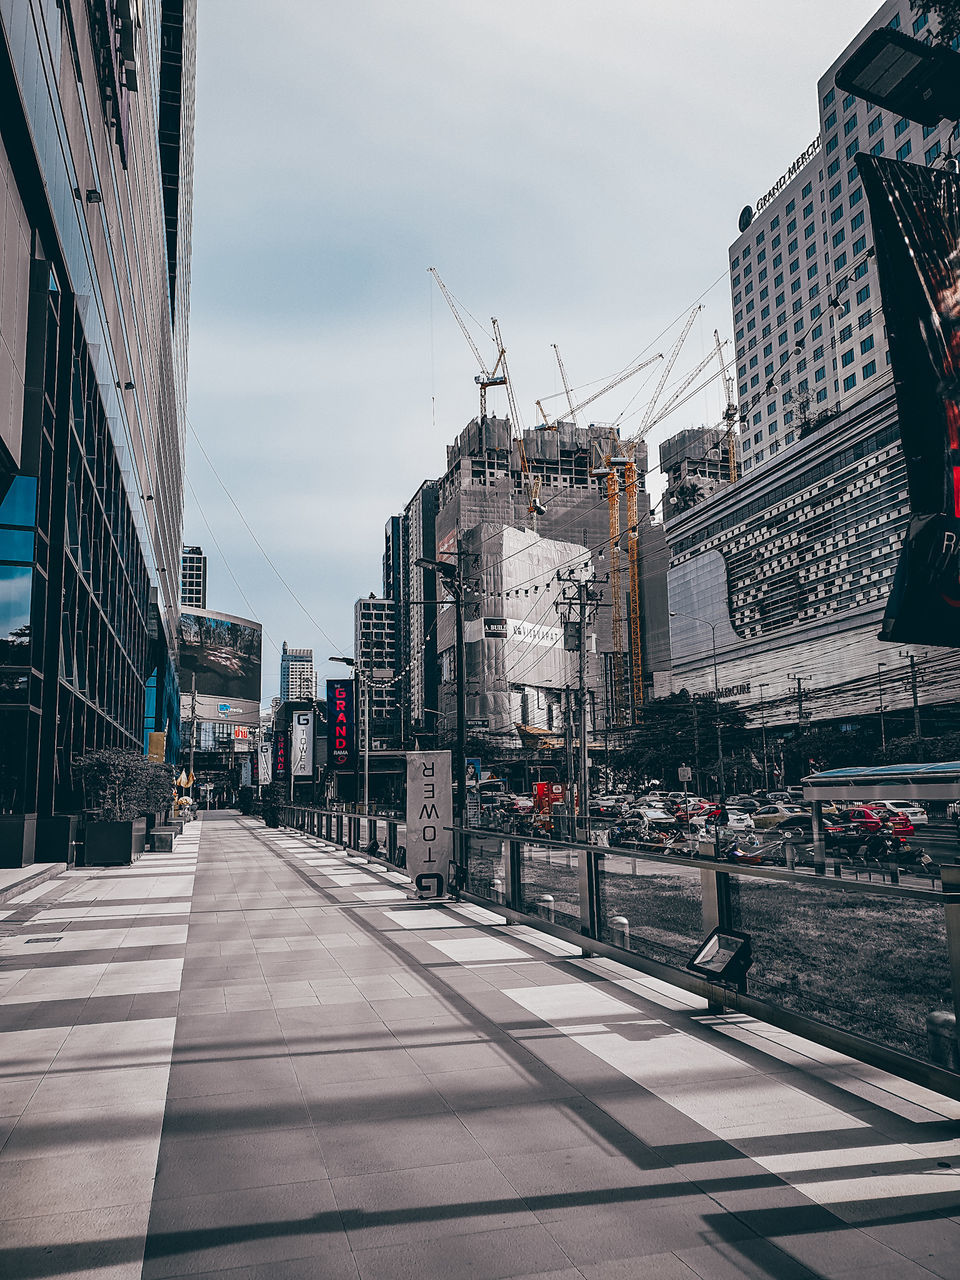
<point x="868" y="968"/>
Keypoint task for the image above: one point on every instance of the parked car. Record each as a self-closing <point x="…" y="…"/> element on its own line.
<point x="606" y="806"/>
<point x="747" y="804"/>
<point x="909" y="808"/>
<point x="798" y="828"/>
<point x="779" y="797"/>
<point x="739" y="820"/>
<point x="870" y="820"/>
<point x="769" y="815"/>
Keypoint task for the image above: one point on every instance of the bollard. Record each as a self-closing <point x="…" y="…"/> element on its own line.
<point x="545" y="906"/>
<point x="942" y="1039"/>
<point x="894" y="873"/>
<point x="620" y="932"/>
<point x="790" y="853"/>
<point x="498" y="888"/>
<point x="633" y="866"/>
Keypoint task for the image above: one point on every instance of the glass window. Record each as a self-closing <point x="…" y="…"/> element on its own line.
<point x="856" y="196"/>
<point x="863" y="294"/>
<point x="901" y="127"/>
<point x="870" y="369"/>
<point x="865" y="319"/>
<point x="932" y="152"/>
<point x="15" y="588"/>
<point x="829" y="97"/>
<point x="904" y="151"/>
<point x="20" y="504"/>
<point x="877" y="149"/>
<point x="847" y="359"/>
<point x="849" y="125"/>
<point x="850" y="382"/>
<point x="16" y="544"/>
<point x="875" y="124"/>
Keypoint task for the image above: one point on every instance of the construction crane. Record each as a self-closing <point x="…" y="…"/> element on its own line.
<point x="566" y="385"/>
<point x="495" y="377"/>
<point x="574" y="409"/>
<point x="731" y="414"/>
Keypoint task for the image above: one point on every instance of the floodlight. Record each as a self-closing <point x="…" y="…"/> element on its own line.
<point x="916" y="80"/>
<point x="725" y="955"/>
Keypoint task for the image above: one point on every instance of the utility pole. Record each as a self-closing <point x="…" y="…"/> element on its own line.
<point x="193" y="724"/>
<point x="696" y="746"/>
<point x="585" y="601"/>
<point x="883" y="731"/>
<point x="799" y="680"/>
<point x="917" y="730"/>
<point x="763" y="732"/>
<point x="571" y="805"/>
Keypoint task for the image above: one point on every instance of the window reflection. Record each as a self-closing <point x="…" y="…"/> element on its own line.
<point x="15" y="585"/>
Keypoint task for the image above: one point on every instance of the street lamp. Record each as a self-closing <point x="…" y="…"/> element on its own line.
<point x="676" y="613"/>
<point x="917" y="80"/>
<point x="358" y="672"/>
<point x="452" y="576"/>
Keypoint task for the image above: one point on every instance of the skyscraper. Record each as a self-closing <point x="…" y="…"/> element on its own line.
<point x="193" y="579"/>
<point x="808" y="320"/>
<point x="298" y="681"/>
<point x="96" y="170"/>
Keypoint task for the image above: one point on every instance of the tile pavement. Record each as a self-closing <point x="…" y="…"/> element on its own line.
<point x="256" y="1057"/>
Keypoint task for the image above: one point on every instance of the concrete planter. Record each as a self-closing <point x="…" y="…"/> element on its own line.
<point x="57" y="838"/>
<point x="114" y="844"/>
<point x="18" y="839"/>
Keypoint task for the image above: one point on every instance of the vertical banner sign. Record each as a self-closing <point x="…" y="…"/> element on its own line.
<point x="264" y="762"/>
<point x="429" y="811"/>
<point x="280" y="755"/>
<point x="341" y="737"/>
<point x="301" y="746"/>
<point x="915" y="213"/>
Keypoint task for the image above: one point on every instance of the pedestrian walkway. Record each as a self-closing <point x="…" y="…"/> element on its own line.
<point x="258" y="1057"/>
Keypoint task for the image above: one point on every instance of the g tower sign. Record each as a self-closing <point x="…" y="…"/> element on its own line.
<point x="429" y="815"/>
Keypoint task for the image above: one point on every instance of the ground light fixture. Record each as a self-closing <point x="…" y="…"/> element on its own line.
<point x="724" y="955"/>
<point x="916" y="80"/>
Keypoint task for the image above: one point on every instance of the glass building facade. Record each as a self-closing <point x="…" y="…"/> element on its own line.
<point x="93" y="334"/>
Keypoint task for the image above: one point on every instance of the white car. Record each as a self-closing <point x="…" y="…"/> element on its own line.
<point x="740" y="820"/>
<point x="909" y="808"/>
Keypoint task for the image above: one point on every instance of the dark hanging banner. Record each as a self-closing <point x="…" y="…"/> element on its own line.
<point x="916" y="225"/>
<point x="280" y="754"/>
<point x="341" y="733"/>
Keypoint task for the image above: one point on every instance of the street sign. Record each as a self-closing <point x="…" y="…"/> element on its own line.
<point x="685" y="773"/>
<point x="478" y="724"/>
<point x="240" y="733"/>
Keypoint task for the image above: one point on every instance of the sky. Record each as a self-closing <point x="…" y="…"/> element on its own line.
<point x="574" y="169"/>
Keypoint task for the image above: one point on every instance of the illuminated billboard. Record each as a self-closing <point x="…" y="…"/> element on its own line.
<point x="341" y="747"/>
<point x="223" y="653"/>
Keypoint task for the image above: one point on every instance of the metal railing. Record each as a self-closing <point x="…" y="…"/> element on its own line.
<point x="868" y="968"/>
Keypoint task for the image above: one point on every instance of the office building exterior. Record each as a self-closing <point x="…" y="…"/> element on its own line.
<point x="298" y="681"/>
<point x="193" y="579"/>
<point x="96" y="129"/>
<point x="789" y="571"/>
<point x="410" y="537"/>
<point x="808" y="318"/>
<point x="376" y="659"/>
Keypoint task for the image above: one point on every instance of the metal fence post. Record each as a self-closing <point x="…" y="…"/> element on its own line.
<point x="514" y="868"/>
<point x="950" y="884"/>
<point x="588" y="866"/>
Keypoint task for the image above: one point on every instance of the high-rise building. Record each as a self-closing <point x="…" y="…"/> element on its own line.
<point x="193" y="579"/>
<point x="96" y="160"/>
<point x="808" y="319"/>
<point x="298" y="681"/>
<point x="420" y="680"/>
<point x="375" y="654"/>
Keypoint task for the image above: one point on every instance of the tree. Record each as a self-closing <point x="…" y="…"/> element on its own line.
<point x="120" y="785"/>
<point x="947" y="13"/>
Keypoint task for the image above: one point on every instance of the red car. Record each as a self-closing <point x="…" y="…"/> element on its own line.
<point x="870" y="821"/>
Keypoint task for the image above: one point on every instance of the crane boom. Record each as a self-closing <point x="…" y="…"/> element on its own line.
<point x="609" y="386"/>
<point x="494" y="377"/>
<point x="566" y="384"/>
<point x="668" y="367"/>
<point x="731" y="413"/>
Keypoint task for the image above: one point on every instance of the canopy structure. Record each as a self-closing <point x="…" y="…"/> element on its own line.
<point x="886" y="782"/>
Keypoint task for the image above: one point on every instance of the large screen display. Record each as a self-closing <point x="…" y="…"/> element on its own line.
<point x="224" y="654"/>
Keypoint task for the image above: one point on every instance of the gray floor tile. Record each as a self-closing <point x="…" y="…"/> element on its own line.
<point x="402" y="1143"/>
<point x="485" y="1255"/>
<point x="229" y="1162"/>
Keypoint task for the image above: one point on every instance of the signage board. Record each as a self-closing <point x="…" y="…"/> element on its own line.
<point x="494" y="628"/>
<point x="157" y="745"/>
<point x="341" y="724"/>
<point x="301" y="744"/>
<point x="915" y="212"/>
<point x="685" y="773"/>
<point x="429" y="812"/>
<point x="241" y="733"/>
<point x="220" y="655"/>
<point x="280" y="761"/>
<point x="478" y="724"/>
<point x="264" y="762"/>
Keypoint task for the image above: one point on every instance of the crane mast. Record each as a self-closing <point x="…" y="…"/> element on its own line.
<point x="495" y="377"/>
<point x="731" y="414"/>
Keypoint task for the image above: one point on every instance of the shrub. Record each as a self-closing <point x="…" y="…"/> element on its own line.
<point x="119" y="785"/>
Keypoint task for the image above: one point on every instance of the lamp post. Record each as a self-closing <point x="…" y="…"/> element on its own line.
<point x="763" y="733"/>
<point x="358" y="672"/>
<point x="452" y="575"/>
<point x="675" y="613"/>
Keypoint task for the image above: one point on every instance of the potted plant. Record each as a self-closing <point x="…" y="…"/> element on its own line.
<point x="120" y="788"/>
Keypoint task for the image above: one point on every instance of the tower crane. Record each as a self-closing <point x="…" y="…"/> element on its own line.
<point x="566" y="385"/>
<point x="495" y="377"/>
<point x="574" y="409"/>
<point x="731" y="414"/>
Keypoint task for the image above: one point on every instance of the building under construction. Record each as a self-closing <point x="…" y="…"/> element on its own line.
<point x="487" y="483"/>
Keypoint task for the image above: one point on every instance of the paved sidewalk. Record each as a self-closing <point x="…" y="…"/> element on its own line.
<point x="351" y="1084"/>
